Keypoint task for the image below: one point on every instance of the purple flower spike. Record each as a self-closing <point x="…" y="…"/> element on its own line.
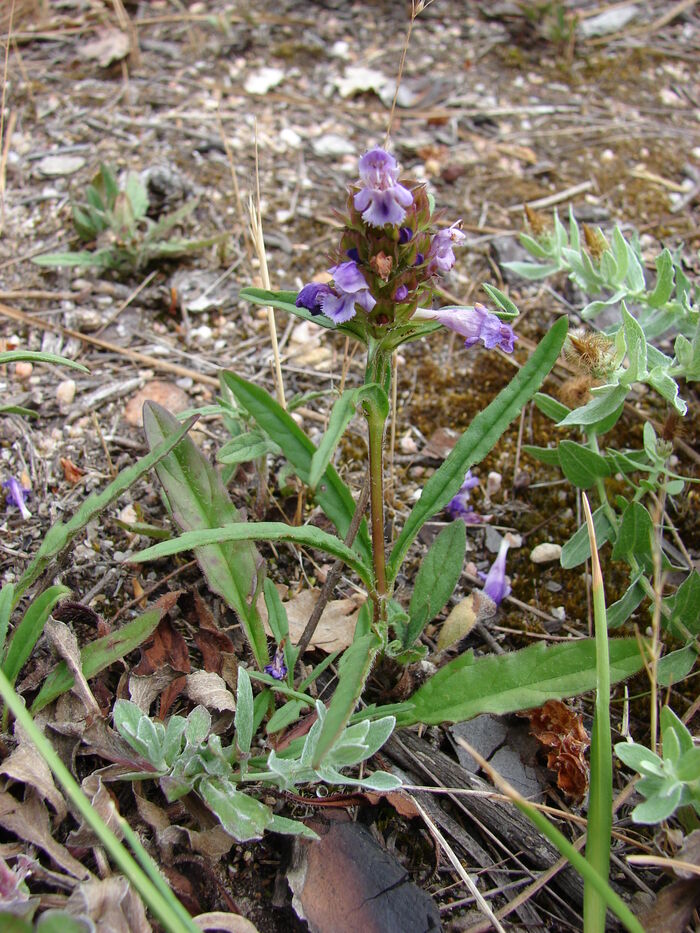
<point x="350" y="289"/>
<point x="473" y="323"/>
<point x="311" y="297"/>
<point x="496" y="583"/>
<point x="277" y="669"/>
<point x="382" y="200"/>
<point x="441" y="256"/>
<point x="16" y="495"/>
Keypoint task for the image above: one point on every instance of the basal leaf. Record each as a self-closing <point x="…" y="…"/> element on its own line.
<point x="27" y="632"/>
<point x="199" y="502"/>
<point x="500" y="684"/>
<point x="437" y="578"/>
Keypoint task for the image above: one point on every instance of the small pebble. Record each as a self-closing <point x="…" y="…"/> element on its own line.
<point x="65" y="393"/>
<point x="545" y="553"/>
<point x="493" y="483"/>
<point x="23" y="369"/>
<point x="559" y="612"/>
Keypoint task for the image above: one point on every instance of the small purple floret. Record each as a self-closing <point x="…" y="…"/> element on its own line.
<point x="311" y="297"/>
<point x="16" y="495"/>
<point x="496" y="583"/>
<point x="475" y="324"/>
<point x="349" y="289"/>
<point x="441" y="256"/>
<point x="381" y="200"/>
<point x="458" y="506"/>
<point x="401" y="293"/>
<point x="277" y="669"/>
<point x="405" y="235"/>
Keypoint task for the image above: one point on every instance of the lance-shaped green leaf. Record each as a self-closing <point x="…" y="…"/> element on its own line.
<point x="605" y="402"/>
<point x="353" y="671"/>
<point x="341" y="415"/>
<point x="478" y="440"/>
<point x="198" y="500"/>
<point x="634" y="536"/>
<point x="578" y="548"/>
<point x="506" y="683"/>
<point x="98" y="655"/>
<point x="27" y="633"/>
<point x="243" y="721"/>
<point x="550" y="406"/>
<point x="61" y="533"/>
<point x="664" y="280"/>
<point x="332" y="494"/>
<point x="261" y="531"/>
<point x="636" y="349"/>
<point x="437" y="578"/>
<point x="508" y="310"/>
<point x="620" y="611"/>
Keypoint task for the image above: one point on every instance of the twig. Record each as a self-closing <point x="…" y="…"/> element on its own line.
<point x="557" y="198"/>
<point x="334" y="574"/>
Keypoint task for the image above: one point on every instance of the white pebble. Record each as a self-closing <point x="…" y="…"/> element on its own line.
<point x="65" y="393"/>
<point x="493" y="483"/>
<point x="545" y="553"/>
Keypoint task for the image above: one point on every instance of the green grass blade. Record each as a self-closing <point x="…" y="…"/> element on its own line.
<point x="600" y="796"/>
<point x="60" y="534"/>
<point x="199" y="502"/>
<point x="478" y="440"/>
<point x="332" y="494"/>
<point x="34" y="356"/>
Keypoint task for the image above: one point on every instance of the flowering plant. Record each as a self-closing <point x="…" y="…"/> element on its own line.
<point x="379" y="290"/>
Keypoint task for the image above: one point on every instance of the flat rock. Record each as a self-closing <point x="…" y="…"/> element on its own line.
<point x="545" y="553"/>
<point x="53" y="166"/>
<point x="164" y="393"/>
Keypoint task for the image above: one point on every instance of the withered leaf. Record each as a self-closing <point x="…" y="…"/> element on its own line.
<point x="561" y="731"/>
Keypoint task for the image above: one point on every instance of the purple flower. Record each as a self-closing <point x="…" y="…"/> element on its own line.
<point x="17" y="495"/>
<point x="349" y="288"/>
<point x="441" y="256"/>
<point x="401" y="293"/>
<point x="473" y="323"/>
<point x="496" y="583"/>
<point x="405" y="235"/>
<point x="277" y="669"/>
<point x="311" y="297"/>
<point x="458" y="506"/>
<point x="382" y="200"/>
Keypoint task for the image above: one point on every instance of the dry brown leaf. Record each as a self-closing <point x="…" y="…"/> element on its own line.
<point x="673" y="908"/>
<point x="25" y="764"/>
<point x="231" y="923"/>
<point x="111" y="45"/>
<point x="144" y="690"/>
<point x="214" y="646"/>
<point x="337" y="624"/>
<point x="29" y="820"/>
<point x="214" y="842"/>
<point x="66" y="644"/>
<point x="112" y="905"/>
<point x="102" y="803"/>
<point x="556" y="727"/>
<point x="210" y="690"/>
<point x="71" y="473"/>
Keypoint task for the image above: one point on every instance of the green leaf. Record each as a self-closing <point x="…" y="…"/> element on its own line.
<point x="437" y="578"/>
<point x="286" y="301"/>
<point x="548" y="455"/>
<point x="620" y="611"/>
<point x="634" y="536"/>
<point x="636" y="349"/>
<point x="60" y="534"/>
<point x="58" y="921"/>
<point x="581" y="466"/>
<point x="7" y="594"/>
<point x="639" y="758"/>
<point x="675" y="667"/>
<point x="260" y="531"/>
<point x="578" y="548"/>
<point x="282" y="824"/>
<point x="684" y="607"/>
<point x="12" y="356"/>
<point x="98" y="655"/>
<point x="508" y="309"/>
<point x="531" y="270"/>
<point x="671" y="723"/>
<point x="664" y="280"/>
<point x="199" y="502"/>
<point x="332" y="494"/>
<point x="688" y="766"/>
<point x="284" y="716"/>
<point x="602" y="405"/>
<point x="243" y="721"/>
<point x="341" y="415"/>
<point x="276" y="613"/>
<point x="353" y="670"/>
<point x="533" y="247"/>
<point x="242" y="816"/>
<point x="100" y="259"/>
<point x="27" y="633"/>
<point x="499" y="684"/>
<point x="550" y="407"/>
<point x="246" y="447"/>
<point x="484" y="431"/>
<point x="658" y="808"/>
<point x="137" y="194"/>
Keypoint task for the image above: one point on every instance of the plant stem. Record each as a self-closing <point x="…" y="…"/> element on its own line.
<point x="375" y="425"/>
